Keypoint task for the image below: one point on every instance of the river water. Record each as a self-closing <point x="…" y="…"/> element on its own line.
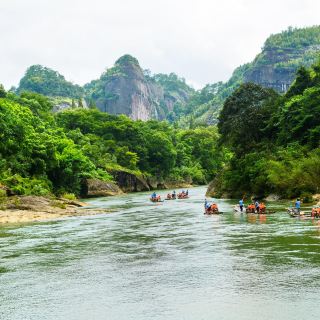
<point x="161" y="261"/>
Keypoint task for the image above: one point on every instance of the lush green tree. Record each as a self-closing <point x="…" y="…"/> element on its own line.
<point x="302" y="82"/>
<point x="244" y="115"/>
<point x="299" y="119"/>
<point x="283" y="155"/>
<point x="3" y="92"/>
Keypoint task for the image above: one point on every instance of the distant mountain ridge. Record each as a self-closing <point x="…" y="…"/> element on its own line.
<point x="127" y="89"/>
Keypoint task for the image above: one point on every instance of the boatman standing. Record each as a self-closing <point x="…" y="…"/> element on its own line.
<point x="241" y="205"/>
<point x="257" y="204"/>
<point x="298" y="205"/>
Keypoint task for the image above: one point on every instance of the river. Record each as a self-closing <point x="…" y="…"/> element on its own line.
<point x="161" y="261"/>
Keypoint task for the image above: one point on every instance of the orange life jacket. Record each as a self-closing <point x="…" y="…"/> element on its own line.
<point x="262" y="206"/>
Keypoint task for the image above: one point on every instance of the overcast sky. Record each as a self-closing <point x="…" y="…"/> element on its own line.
<point x="200" y="40"/>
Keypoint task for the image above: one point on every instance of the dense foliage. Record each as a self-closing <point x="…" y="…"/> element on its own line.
<point x="275" y="140"/>
<point x="294" y="38"/>
<point x="150" y="148"/>
<point x="43" y="153"/>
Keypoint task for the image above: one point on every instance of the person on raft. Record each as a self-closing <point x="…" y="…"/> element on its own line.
<point x="298" y="205"/>
<point x="241" y="205"/>
<point x="174" y="194"/>
<point x="169" y="196"/>
<point x="262" y="208"/>
<point x="257" y="205"/>
<point x="187" y="192"/>
<point x="207" y="205"/>
<point x="154" y="196"/>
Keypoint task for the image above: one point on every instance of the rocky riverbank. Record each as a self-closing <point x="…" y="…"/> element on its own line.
<point x="23" y="209"/>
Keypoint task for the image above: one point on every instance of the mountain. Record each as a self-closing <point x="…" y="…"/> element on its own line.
<point x="127" y="89"/>
<point x="275" y="67"/>
<point x="48" y="82"/>
<point x="123" y="89"/>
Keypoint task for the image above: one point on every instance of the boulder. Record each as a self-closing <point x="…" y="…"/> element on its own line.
<point x="99" y="188"/>
<point x="273" y="197"/>
<point x="129" y="182"/>
<point x="211" y="189"/>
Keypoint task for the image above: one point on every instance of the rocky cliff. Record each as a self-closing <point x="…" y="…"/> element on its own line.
<point x="275" y="67"/>
<point x="127" y="89"/>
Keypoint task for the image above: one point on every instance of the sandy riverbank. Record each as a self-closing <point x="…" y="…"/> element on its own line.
<point x="30" y="209"/>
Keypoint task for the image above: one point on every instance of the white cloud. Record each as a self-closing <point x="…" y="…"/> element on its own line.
<point x="201" y="40"/>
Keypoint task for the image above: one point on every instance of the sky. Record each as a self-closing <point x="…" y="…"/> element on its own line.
<point x="202" y="41"/>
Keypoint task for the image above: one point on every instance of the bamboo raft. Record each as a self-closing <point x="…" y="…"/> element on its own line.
<point x="294" y="214"/>
<point x="244" y="210"/>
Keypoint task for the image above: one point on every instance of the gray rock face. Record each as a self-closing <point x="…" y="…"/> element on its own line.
<point x="128" y="92"/>
<point x="267" y="76"/>
<point x="130" y="183"/>
<point x="276" y="67"/>
<point x="125" y="89"/>
<point x="98" y="188"/>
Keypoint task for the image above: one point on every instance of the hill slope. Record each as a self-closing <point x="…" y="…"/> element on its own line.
<point x="275" y="67"/>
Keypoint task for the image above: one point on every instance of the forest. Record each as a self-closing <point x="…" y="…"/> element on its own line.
<point x="45" y="153"/>
<point x="274" y="139"/>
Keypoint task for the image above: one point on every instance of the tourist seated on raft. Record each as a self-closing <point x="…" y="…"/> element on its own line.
<point x="251" y="208"/>
<point x="315" y="213"/>
<point x="183" y="194"/>
<point x="262" y="208"/>
<point x="213" y="207"/>
<point x="154" y="195"/>
<point x="174" y="194"/>
<point x="169" y="196"/>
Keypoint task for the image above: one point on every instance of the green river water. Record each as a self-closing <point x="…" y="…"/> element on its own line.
<point x="161" y="261"/>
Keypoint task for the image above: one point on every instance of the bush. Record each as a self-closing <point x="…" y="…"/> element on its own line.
<point x="28" y="186"/>
<point x="69" y="196"/>
<point x="3" y="196"/>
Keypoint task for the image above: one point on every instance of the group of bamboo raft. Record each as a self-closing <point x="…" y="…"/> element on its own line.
<point x="253" y="208"/>
<point x="170" y="196"/>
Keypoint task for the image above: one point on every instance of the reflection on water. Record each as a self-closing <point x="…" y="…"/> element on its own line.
<point x="161" y="261"/>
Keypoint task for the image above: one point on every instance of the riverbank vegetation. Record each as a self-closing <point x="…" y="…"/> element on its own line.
<point x="45" y="153"/>
<point x="274" y="139"/>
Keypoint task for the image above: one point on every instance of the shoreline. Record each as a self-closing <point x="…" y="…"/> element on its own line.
<point x="25" y="209"/>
